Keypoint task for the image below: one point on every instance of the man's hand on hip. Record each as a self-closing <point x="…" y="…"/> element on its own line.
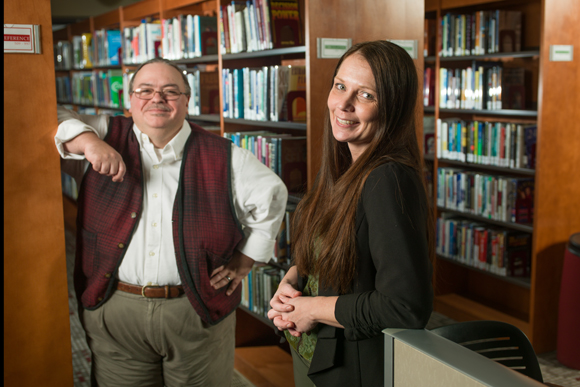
<point x="232" y="273"/>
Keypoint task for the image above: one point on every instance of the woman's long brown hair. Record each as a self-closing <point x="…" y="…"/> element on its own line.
<point x="325" y="218"/>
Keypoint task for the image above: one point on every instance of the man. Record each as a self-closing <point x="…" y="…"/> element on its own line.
<point x="170" y="219"/>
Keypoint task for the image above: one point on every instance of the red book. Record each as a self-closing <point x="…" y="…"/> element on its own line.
<point x="286" y="23"/>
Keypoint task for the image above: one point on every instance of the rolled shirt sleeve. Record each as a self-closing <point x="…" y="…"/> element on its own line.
<point x="71" y="124"/>
<point x="260" y="199"/>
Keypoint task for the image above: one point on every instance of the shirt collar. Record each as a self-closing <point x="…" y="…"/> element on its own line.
<point x="174" y="148"/>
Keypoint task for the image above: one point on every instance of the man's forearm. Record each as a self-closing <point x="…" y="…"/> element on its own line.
<point x="78" y="144"/>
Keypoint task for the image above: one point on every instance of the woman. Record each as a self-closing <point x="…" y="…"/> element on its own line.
<point x="362" y="234"/>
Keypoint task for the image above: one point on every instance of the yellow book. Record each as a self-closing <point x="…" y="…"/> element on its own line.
<point x="87" y="44"/>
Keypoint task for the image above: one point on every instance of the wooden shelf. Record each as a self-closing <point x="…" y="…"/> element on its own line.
<point x="270" y="124"/>
<point x="503" y="112"/>
<point x="522" y="282"/>
<point x="461" y="308"/>
<point x="199" y="59"/>
<point x="514" y="226"/>
<point x="265" y="53"/>
<point x="205" y="117"/>
<point x="533" y="54"/>
<point x="263" y="319"/>
<point x="495" y="168"/>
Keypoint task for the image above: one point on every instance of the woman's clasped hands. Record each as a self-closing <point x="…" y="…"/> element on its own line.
<point x="290" y="311"/>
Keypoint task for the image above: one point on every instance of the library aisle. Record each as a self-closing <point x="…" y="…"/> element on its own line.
<point x="552" y="370"/>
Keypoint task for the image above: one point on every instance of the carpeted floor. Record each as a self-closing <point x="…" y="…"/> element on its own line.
<point x="552" y="370"/>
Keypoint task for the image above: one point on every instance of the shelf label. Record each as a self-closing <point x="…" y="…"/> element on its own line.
<point x="561" y="53"/>
<point x="332" y="48"/>
<point x="409" y="45"/>
<point x="22" y="38"/>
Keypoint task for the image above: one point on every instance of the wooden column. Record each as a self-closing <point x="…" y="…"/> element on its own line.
<point x="557" y="190"/>
<point x="37" y="342"/>
<point x="361" y="20"/>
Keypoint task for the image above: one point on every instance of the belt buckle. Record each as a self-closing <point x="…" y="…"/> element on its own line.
<point x="143" y="290"/>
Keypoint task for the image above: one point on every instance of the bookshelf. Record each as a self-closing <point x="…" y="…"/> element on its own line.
<point x="463" y="292"/>
<point x="390" y="19"/>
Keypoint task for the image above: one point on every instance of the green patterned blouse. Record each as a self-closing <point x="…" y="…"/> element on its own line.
<point x="306" y="343"/>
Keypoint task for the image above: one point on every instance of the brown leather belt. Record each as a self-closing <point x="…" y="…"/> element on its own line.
<point x="151" y="291"/>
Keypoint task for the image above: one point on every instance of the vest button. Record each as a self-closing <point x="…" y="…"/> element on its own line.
<point x="133" y="215"/>
<point x="100" y="299"/>
<point x="108" y="275"/>
<point x="121" y="245"/>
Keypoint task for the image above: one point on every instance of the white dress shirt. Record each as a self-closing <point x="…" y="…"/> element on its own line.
<point x="259" y="198"/>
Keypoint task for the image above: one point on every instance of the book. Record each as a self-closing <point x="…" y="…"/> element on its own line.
<point x="520" y="196"/>
<point x="87" y="50"/>
<point x="516" y="254"/>
<point x="530" y="133"/>
<point x="292" y="167"/>
<point x="286" y="24"/>
<point x="114" y="56"/>
<point x="430" y="37"/>
<point x="209" y="92"/>
<point x="295" y="104"/>
<point x="509" y="26"/>
<point x="514" y="88"/>
<point x="115" y="88"/>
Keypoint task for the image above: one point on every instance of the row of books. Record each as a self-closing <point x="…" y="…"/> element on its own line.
<point x="103" y="48"/>
<point x="471" y="88"/>
<point x="259" y="287"/>
<point x="497" y="250"/>
<point x="480" y="86"/>
<point x="476" y="33"/>
<point x="507" y="199"/>
<point x="255" y="25"/>
<point x="268" y="93"/>
<point x="282" y="153"/>
<point x="102" y="88"/>
<point x="502" y="144"/>
<point x="180" y="37"/>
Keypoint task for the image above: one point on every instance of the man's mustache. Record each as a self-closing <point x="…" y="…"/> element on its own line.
<point x="158" y="107"/>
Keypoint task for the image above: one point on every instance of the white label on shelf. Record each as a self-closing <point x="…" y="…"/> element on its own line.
<point x="561" y="53"/>
<point x="332" y="48"/>
<point x="22" y="38"/>
<point x="409" y="45"/>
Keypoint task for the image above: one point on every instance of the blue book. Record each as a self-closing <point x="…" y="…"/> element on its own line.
<point x="114" y="46"/>
<point x="238" y="93"/>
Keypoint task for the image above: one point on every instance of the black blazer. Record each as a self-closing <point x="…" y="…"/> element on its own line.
<point x="392" y="288"/>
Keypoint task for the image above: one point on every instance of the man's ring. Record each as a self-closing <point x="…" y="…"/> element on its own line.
<point x="228" y="278"/>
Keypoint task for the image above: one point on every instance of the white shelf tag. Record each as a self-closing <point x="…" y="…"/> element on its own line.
<point x="409" y="45"/>
<point x="332" y="48"/>
<point x="22" y="38"/>
<point x="561" y="53"/>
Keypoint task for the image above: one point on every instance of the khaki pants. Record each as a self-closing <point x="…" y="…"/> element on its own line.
<point x="155" y="342"/>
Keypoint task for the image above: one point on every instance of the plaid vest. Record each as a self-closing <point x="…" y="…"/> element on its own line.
<point x="205" y="228"/>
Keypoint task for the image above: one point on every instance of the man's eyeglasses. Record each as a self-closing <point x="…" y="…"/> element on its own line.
<point x="167" y="94"/>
